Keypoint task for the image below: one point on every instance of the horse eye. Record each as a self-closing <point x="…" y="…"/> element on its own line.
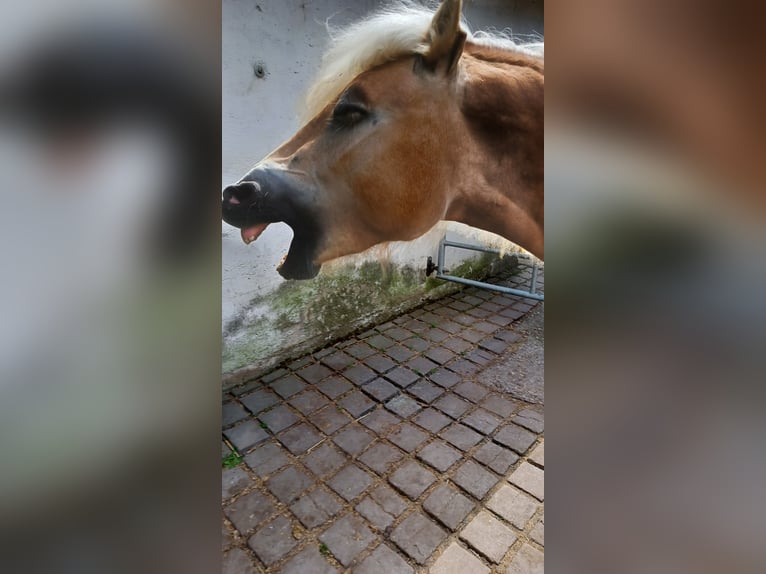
<point x="347" y="115"/>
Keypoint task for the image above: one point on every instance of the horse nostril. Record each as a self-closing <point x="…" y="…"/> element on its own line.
<point x="240" y="193"/>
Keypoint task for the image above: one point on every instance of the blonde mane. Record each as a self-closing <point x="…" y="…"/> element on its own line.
<point x="393" y="32"/>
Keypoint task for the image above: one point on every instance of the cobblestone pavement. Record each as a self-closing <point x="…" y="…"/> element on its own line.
<point x="390" y="453"/>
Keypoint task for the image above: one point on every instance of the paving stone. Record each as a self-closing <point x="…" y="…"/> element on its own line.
<point x="412" y="479"/>
<point x="464" y="320"/>
<point x="530" y="479"/>
<point x="435" y="335"/>
<point x="325" y="459"/>
<point x="266" y="458"/>
<point x="360" y="351"/>
<point x="485" y="327"/>
<point x="439" y="355"/>
<point x="418" y="537"/>
<point x="416" y="325"/>
<point x="259" y="400"/>
<point x="225" y="450"/>
<point x="444" y="378"/>
<point x="513" y="505"/>
<point x="315" y="508"/>
<point x="234" y="481"/>
<point x="338" y="361"/>
<point x="389" y="500"/>
<point x="330" y="419"/>
<point x="298" y="363"/>
<point x="359" y="374"/>
<point x="528" y="560"/>
<point x="482" y="421"/>
<point x="249" y="511"/>
<point x="460" y="306"/>
<point x="494" y="345"/>
<point x="353" y="439"/>
<point x="398" y="334"/>
<point x="474" y="479"/>
<point x="315" y="373"/>
<point x="538" y="532"/>
<point x="515" y="437"/>
<point x="460" y="436"/>
<point x="452" y="405"/>
<point x="488" y="536"/>
<point x="432" y="420"/>
<point x="403" y="406"/>
<point x="421" y="365"/>
<point x="279" y="418"/>
<point x="274" y="541"/>
<point x="374" y="513"/>
<point x="512" y="314"/>
<point x="439" y="455"/>
<point x="287" y="386"/>
<point x="463" y="367"/>
<point x="322" y="353"/>
<point x="299" y="438"/>
<point x="538" y="455"/>
<point x="334" y="387"/>
<point x="508" y="336"/>
<point x="500" y="321"/>
<point x="383" y="560"/>
<point x="402" y="377"/>
<point x="346" y="538"/>
<point x="457" y="560"/>
<point x="232" y="412"/>
<point x="451" y="327"/>
<point x="471" y="391"/>
<point x="400" y="353"/>
<point x="471" y="335"/>
<point x="379" y="342"/>
<point x="246" y="435"/>
<point x="380" y="363"/>
<point x="416" y="344"/>
<point x="498" y="405"/>
<point x="350" y="482"/>
<point x="380" y="389"/>
<point x="237" y="561"/>
<point x="457" y="345"/>
<point x="289" y="484"/>
<point x="381" y="457"/>
<point x="380" y="421"/>
<point x="273" y="375"/>
<point x="308" y="561"/>
<point x="408" y="437"/>
<point x="448" y="506"/>
<point x="308" y="402"/>
<point x="496" y="457"/>
<point x="480" y="357"/>
<point x="425" y="391"/>
<point x="530" y="419"/>
<point x="357" y="404"/>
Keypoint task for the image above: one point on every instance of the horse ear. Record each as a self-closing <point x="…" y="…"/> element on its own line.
<point x="445" y="39"/>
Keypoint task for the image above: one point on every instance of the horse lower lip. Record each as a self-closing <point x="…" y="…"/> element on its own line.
<point x="250" y="234"/>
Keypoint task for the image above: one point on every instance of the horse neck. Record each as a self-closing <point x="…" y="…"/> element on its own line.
<point x="501" y="179"/>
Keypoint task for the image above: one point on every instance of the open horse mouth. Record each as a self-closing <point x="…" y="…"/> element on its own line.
<point x="253" y="204"/>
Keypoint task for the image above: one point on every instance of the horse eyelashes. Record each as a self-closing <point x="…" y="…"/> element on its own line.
<point x="348" y="115"/>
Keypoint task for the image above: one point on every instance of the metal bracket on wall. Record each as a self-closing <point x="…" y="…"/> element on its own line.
<point x="441" y="272"/>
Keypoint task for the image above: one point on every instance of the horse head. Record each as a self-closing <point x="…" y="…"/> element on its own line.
<point x="389" y="150"/>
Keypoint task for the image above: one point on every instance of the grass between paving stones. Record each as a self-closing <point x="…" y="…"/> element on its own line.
<point x="231" y="460"/>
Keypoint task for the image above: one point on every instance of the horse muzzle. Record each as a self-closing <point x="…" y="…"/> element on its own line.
<point x="265" y="196"/>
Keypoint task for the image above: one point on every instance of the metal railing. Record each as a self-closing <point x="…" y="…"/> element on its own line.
<point x="441" y="271"/>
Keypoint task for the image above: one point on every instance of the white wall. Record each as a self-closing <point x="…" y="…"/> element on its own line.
<point x="288" y="37"/>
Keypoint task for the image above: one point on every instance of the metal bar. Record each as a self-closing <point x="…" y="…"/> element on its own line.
<point x="444" y="243"/>
<point x="490" y="286"/>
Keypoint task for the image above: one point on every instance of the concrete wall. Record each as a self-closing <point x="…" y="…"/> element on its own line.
<point x="267" y="319"/>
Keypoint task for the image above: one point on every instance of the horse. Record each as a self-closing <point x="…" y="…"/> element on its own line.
<point x="412" y="119"/>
